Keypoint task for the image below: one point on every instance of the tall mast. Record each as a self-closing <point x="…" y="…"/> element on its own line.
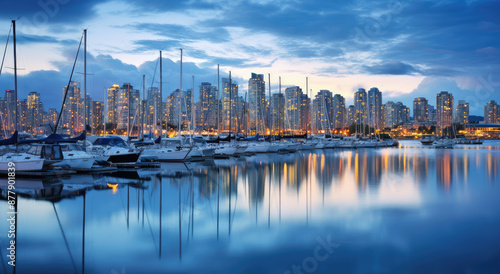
<point x="218" y="101"/>
<point x="128" y="111"/>
<point x="180" y="103"/>
<point x="85" y="79"/>
<point x="192" y="112"/>
<point x="15" y="73"/>
<point x="279" y="108"/>
<point x="161" y="98"/>
<point x="230" y="104"/>
<point x="269" y="102"/>
<point x="143" y="105"/>
<point x="106" y="110"/>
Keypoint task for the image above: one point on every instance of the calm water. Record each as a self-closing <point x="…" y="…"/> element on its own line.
<point x="389" y="210"/>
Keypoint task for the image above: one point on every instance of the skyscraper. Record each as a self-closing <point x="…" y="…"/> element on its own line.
<point x="72" y="114"/>
<point x="112" y="104"/>
<point x="444" y="109"/>
<point x="351" y="116"/>
<point x="35" y="112"/>
<point x="277" y="112"/>
<point x="305" y="113"/>
<point x="360" y="104"/>
<point x="491" y="113"/>
<point x="208" y="107"/>
<point x="420" y="109"/>
<point x="375" y="108"/>
<point x="432" y="113"/>
<point x="338" y="105"/>
<point x="462" y="112"/>
<point x="257" y="103"/>
<point x="127" y="107"/>
<point x="395" y="114"/>
<point x="11" y="112"/>
<point x="96" y="116"/>
<point x="323" y="111"/>
<point x="154" y="109"/>
<point x="293" y="99"/>
<point x="229" y="100"/>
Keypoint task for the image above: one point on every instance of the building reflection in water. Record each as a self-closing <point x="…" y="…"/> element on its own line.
<point x="169" y="209"/>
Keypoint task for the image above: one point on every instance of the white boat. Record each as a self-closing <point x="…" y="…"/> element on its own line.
<point x="76" y="158"/>
<point x="115" y="148"/>
<point x="37" y="158"/>
<point x="443" y="143"/>
<point x="254" y="147"/>
<point x="165" y="154"/>
<point x="428" y="139"/>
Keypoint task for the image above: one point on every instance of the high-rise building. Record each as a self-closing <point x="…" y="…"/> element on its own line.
<point x="395" y="114"/>
<point x="420" y="109"/>
<point x="228" y="107"/>
<point x="208" y="107"/>
<point x="10" y="111"/>
<point x="154" y="109"/>
<point x="444" y="110"/>
<point x="257" y="103"/>
<point x="360" y="104"/>
<point x="112" y="104"/>
<point x="23" y="114"/>
<point x="491" y="113"/>
<point x="375" y="119"/>
<point x="52" y="116"/>
<point x="127" y="107"/>
<point x="96" y="116"/>
<point x="462" y="112"/>
<point x="432" y="113"/>
<point x="277" y="112"/>
<point x="72" y="112"/>
<point x="86" y="109"/>
<point x="323" y="111"/>
<point x="351" y="116"/>
<point x="305" y="113"/>
<point x="293" y="100"/>
<point x="338" y="107"/>
<point x="35" y="112"/>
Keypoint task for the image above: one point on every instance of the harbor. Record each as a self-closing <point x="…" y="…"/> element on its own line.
<point x="197" y="216"/>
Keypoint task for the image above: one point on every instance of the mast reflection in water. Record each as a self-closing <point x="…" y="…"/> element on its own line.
<point x="385" y="210"/>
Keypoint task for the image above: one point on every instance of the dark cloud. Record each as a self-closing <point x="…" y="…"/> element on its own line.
<point x="392" y="68"/>
<point x="44" y="12"/>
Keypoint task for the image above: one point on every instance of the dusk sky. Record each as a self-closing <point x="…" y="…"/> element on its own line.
<point x="407" y="49"/>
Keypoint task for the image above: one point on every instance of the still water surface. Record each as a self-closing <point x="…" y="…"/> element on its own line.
<point x="388" y="210"/>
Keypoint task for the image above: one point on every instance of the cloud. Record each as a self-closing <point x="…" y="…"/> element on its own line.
<point x="43" y="12"/>
<point x="394" y="68"/>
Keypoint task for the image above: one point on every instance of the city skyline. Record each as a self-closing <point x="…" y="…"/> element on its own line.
<point x="125" y="109"/>
<point x="378" y="45"/>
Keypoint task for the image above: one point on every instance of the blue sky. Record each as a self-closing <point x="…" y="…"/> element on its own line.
<point x="407" y="49"/>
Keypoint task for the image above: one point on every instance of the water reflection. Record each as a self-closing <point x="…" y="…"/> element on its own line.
<point x="218" y="215"/>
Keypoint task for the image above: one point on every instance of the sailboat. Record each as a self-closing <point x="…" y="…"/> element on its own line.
<point x="38" y="156"/>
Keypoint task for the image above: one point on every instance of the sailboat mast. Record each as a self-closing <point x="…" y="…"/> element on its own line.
<point x="192" y="112"/>
<point x="230" y="104"/>
<point x="180" y="103"/>
<point x="128" y="111"/>
<point x="161" y="97"/>
<point x="218" y="101"/>
<point x="85" y="80"/>
<point x="269" y="103"/>
<point x="15" y="74"/>
<point x="143" y="105"/>
<point x="279" y="108"/>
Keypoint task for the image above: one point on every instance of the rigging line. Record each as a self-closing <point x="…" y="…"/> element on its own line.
<point x="5" y="50"/>
<point x="67" y="87"/>
<point x="64" y="236"/>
